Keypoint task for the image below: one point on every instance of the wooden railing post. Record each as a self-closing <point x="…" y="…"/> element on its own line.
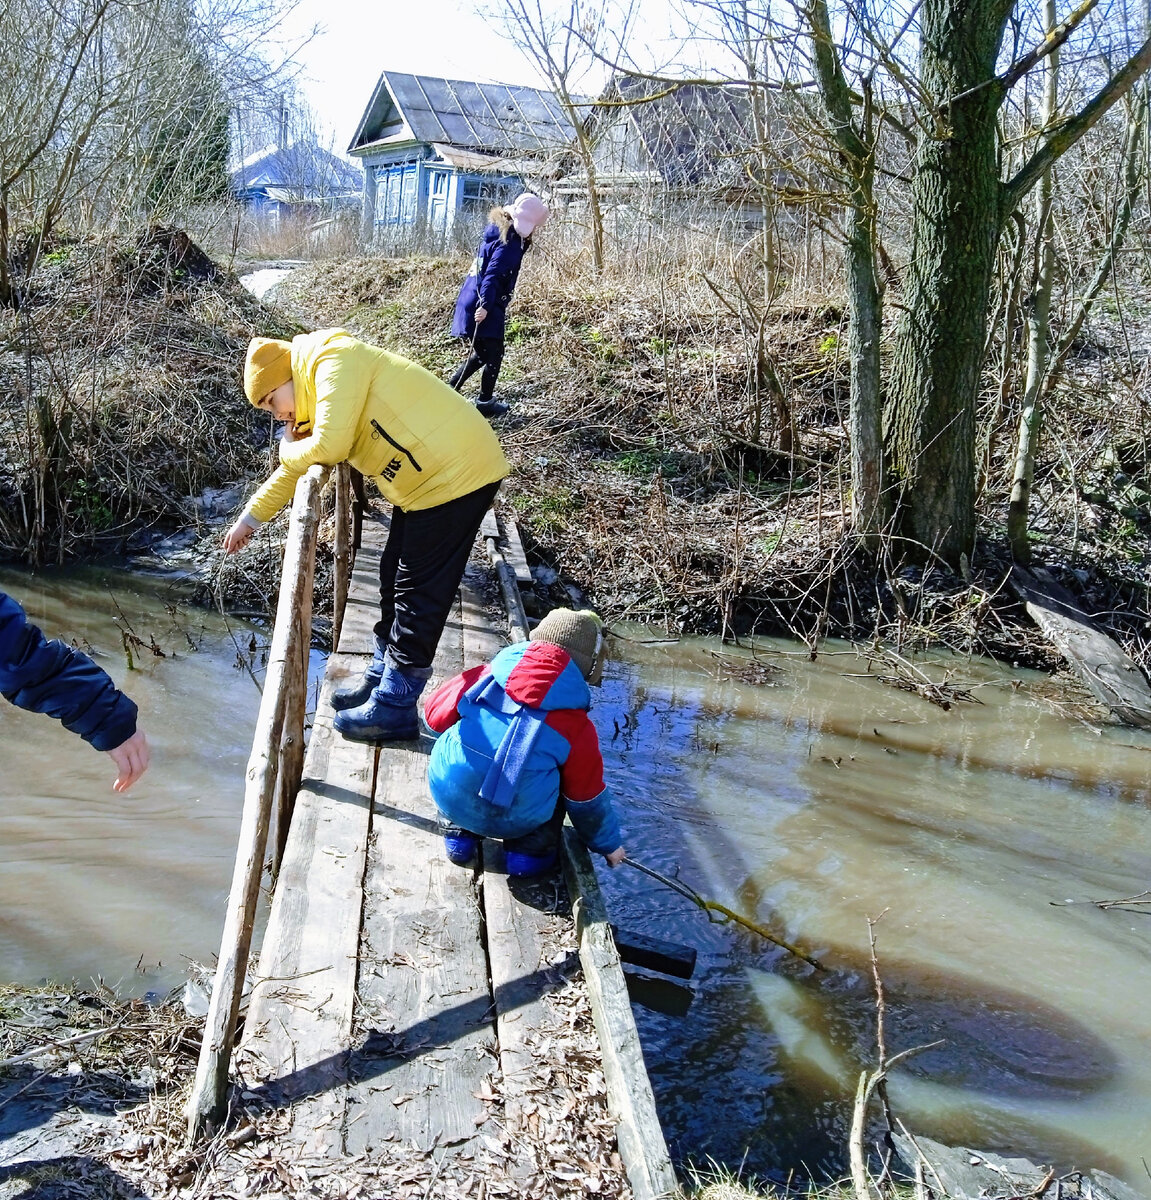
<point x="342" y="569"/>
<point x="288" y="654"/>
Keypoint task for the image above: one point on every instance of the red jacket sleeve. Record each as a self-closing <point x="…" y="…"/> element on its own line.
<point x="581" y="777"/>
<point x="440" y="711"/>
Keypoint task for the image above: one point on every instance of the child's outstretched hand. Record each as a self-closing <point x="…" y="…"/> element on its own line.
<point x="615" y="857"/>
<point x="131" y="759"/>
<point x="238" y="536"/>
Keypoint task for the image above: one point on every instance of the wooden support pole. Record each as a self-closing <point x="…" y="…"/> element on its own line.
<point x="290" y="636"/>
<point x="292" y="739"/>
<point x="342" y="569"/>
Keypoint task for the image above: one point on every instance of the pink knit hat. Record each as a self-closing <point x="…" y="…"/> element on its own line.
<point x="528" y="214"/>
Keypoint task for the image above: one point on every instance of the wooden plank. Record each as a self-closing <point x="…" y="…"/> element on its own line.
<point x="424" y="997"/>
<point x="514" y="550"/>
<point x="1112" y="677"/>
<point x="298" y="1031"/>
<point x="362" y="610"/>
<point x="654" y="954"/>
<point x="641" y="1142"/>
<point x="490" y="526"/>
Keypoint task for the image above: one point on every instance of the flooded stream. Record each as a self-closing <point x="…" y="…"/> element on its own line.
<point x="977" y="836"/>
<point x="124" y="888"/>
<point x="809" y="796"/>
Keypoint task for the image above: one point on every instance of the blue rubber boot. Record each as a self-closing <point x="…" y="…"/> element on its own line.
<point x="519" y="864"/>
<point x="461" y="846"/>
<point x="389" y="714"/>
<point x="356" y="691"/>
<point x="536" y="851"/>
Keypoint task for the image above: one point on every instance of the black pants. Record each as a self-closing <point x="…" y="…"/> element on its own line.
<point x="420" y="570"/>
<point x="487" y="352"/>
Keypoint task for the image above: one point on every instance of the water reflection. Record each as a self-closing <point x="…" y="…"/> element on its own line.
<point x="825" y="797"/>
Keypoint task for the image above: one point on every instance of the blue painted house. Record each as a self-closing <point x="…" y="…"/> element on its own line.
<point x="435" y="151"/>
<point x="299" y="178"/>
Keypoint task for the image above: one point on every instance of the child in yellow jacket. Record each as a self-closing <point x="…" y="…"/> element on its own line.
<point x="432" y="456"/>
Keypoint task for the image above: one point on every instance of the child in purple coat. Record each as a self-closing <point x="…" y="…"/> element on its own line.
<point x="481" y="308"/>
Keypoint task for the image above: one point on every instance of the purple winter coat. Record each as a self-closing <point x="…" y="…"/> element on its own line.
<point x="490" y="282"/>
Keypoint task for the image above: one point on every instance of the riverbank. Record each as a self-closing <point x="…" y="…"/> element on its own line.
<point x="647" y="477"/>
<point x="635" y="485"/>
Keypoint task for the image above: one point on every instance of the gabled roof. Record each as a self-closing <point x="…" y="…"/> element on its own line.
<point x="693" y="133"/>
<point x="303" y="168"/>
<point x="496" y="118"/>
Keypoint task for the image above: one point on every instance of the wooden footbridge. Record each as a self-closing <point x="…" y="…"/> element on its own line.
<point x="400" y="1001"/>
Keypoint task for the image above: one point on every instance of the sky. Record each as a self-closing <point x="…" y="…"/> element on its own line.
<point x="360" y="38"/>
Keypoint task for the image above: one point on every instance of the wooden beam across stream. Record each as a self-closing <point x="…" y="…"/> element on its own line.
<point x="400" y="1001"/>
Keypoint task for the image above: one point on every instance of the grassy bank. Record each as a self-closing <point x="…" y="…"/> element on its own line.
<point x="646" y="433"/>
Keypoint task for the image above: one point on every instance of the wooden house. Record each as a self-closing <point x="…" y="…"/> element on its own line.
<point x="438" y="150"/>
<point x="298" y="178"/>
<point x="691" y="145"/>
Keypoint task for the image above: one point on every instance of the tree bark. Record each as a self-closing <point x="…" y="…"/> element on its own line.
<point x="1038" y="326"/>
<point x="930" y="418"/>
<point x="869" y="501"/>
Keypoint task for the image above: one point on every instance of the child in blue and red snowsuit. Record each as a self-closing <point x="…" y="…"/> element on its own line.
<point x="518" y="750"/>
<point x="481" y="307"/>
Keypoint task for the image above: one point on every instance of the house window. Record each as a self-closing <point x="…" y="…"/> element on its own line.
<point x="481" y="192"/>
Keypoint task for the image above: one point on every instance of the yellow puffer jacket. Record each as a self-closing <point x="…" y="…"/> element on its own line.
<point x="421" y="442"/>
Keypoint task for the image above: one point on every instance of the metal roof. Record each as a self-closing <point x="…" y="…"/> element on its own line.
<point x="495" y="117"/>
<point x="304" y="167"/>
<point x="693" y="133"/>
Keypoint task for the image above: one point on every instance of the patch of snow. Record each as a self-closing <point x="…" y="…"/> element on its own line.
<point x="260" y="283"/>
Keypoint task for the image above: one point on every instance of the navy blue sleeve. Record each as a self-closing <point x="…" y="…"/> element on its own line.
<point x="499" y="275"/>
<point x="51" y="678"/>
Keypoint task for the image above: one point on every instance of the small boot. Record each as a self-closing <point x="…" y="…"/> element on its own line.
<point x="459" y="845"/>
<point x="355" y="692"/>
<point x="491" y="408"/>
<point x="519" y="864"/>
<point x="389" y="714"/>
<point x="535" y="852"/>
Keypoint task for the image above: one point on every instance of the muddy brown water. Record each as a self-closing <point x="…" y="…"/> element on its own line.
<point x="810" y="800"/>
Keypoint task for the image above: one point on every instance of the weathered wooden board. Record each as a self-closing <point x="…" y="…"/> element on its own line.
<point x="425" y="1003"/>
<point x="514" y="550"/>
<point x="641" y="1142"/>
<point x="299" y="1024"/>
<point x="516" y="931"/>
<point x="362" y="610"/>
<point x="1110" y="675"/>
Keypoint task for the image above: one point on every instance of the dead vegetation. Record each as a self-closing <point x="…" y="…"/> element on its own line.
<point x="646" y="437"/>
<point x="119" y="400"/>
<point x="92" y="1094"/>
<point x="648" y="472"/>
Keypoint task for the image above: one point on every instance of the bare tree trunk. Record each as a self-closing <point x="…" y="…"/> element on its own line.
<point x="587" y="159"/>
<point x="5" y="277"/>
<point x="930" y="418"/>
<point x="1038" y="325"/>
<point x="869" y="510"/>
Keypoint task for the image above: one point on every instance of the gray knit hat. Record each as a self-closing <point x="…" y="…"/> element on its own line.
<point x="580" y="634"/>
